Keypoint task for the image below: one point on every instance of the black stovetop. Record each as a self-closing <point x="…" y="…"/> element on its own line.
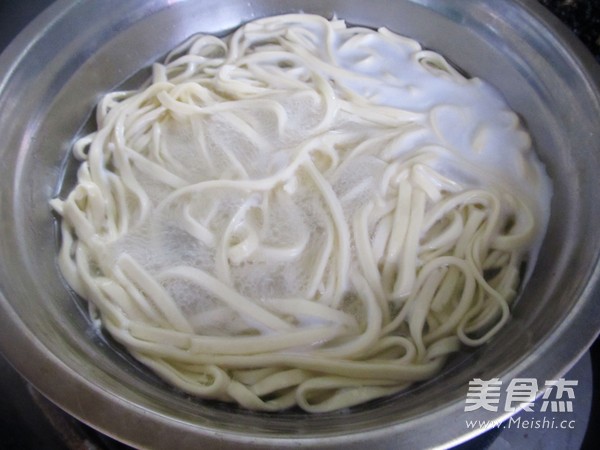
<point x="582" y="17"/>
<point x="24" y="424"/>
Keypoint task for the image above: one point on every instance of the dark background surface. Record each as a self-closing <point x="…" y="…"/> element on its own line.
<point x="24" y="426"/>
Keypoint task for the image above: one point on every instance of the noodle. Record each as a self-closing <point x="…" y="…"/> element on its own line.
<point x="302" y="214"/>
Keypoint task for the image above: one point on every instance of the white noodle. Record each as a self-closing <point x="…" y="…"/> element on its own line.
<point x="302" y="214"/>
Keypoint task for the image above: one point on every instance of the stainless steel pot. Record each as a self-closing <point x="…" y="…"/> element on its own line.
<point x="52" y="76"/>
